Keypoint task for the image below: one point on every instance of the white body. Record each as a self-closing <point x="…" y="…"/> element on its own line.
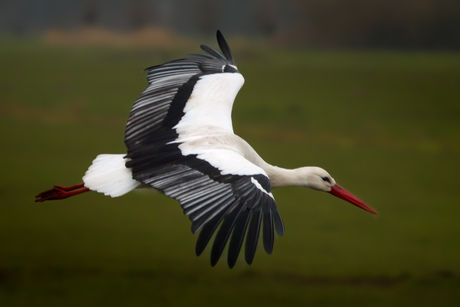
<point x="206" y="130"/>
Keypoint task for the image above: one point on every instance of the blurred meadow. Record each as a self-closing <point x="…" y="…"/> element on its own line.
<point x="384" y="122"/>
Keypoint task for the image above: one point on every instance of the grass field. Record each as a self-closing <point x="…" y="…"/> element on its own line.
<point x="384" y="124"/>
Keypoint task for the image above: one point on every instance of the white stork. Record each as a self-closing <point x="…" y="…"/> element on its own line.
<point x="180" y="141"/>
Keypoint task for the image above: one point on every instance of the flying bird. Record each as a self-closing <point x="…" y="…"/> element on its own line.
<point x="179" y="139"/>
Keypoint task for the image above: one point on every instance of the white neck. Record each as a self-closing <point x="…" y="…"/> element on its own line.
<point x="282" y="177"/>
<point x="279" y="177"/>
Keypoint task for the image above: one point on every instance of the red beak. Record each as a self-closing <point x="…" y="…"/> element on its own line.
<point x="345" y="195"/>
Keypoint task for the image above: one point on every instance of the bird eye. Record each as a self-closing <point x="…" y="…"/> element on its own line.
<point x="326" y="179"/>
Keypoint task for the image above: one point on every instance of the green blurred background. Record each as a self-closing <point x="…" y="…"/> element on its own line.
<point x="383" y="121"/>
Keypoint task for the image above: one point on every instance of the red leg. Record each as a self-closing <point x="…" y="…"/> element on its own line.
<point x="71" y="188"/>
<point x="60" y="192"/>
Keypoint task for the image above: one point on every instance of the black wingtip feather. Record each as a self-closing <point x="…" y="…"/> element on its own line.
<point x="207" y="231"/>
<point x="212" y="52"/>
<point x="253" y="236"/>
<point x="268" y="236"/>
<point x="205" y="235"/>
<point x="223" y="234"/>
<point x="224" y="47"/>
<point x="237" y="237"/>
<point x="278" y="221"/>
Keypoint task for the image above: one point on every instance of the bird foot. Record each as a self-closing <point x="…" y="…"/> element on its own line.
<point x="60" y="192"/>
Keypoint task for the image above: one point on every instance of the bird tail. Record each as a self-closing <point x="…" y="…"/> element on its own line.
<point x="109" y="175"/>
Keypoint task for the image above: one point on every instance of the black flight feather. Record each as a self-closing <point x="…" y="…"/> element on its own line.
<point x="253" y="235"/>
<point x="224" y="47"/>
<point x="236" y="241"/>
<point x="268" y="236"/>
<point x="223" y="234"/>
<point x="212" y="52"/>
<point x="208" y="230"/>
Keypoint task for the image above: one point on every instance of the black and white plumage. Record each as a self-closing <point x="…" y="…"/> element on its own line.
<point x="175" y="138"/>
<point x="180" y="141"/>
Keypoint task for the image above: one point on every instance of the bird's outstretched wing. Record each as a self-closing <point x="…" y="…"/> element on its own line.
<point x="171" y="85"/>
<point x="236" y="195"/>
<point x="188" y="99"/>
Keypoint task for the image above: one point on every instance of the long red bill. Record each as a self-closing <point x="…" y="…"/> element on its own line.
<point x="342" y="193"/>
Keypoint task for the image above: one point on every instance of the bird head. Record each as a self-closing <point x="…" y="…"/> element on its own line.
<point x="318" y="179"/>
